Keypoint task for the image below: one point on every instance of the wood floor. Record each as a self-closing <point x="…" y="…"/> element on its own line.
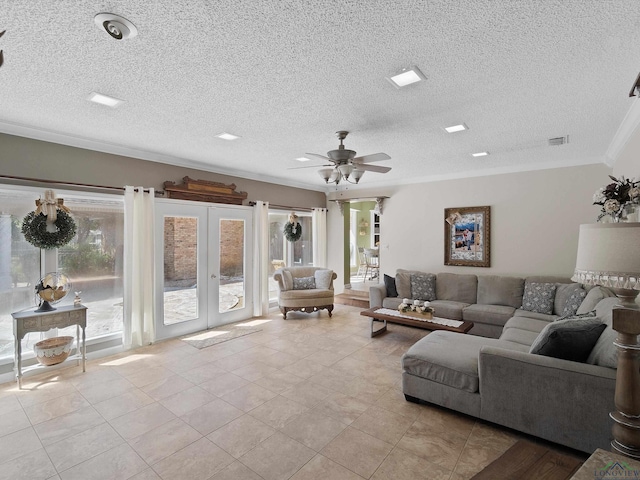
<point x="528" y="461"/>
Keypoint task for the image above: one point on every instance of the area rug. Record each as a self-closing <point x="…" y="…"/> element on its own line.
<point x="218" y="335"/>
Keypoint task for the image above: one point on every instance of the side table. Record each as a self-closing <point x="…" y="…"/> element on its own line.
<point x="30" y="321"/>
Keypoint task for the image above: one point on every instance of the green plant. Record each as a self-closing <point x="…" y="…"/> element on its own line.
<point x="86" y="259"/>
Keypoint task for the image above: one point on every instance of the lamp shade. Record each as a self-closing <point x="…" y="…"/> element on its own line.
<point x="609" y="255"/>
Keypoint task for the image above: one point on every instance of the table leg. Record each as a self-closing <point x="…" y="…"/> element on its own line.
<point x="18" y="361"/>
<point x="380" y="330"/>
<point x="84" y="350"/>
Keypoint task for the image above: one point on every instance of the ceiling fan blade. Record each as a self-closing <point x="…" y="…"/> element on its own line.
<point x="375" y="157"/>
<point x="327" y="159"/>
<point x="372" y="168"/>
<point x="312" y="166"/>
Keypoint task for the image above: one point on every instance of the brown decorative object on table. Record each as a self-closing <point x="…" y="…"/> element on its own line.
<point x="204" y="191"/>
<point x="467" y="236"/>
<point x="626" y="427"/>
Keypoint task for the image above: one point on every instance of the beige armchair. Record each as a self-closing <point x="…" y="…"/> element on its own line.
<point x="304" y="289"/>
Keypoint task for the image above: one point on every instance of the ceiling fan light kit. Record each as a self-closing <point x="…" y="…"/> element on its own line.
<point x="344" y="165"/>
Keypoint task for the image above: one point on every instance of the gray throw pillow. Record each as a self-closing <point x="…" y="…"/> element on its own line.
<point x="574" y="301"/>
<point x="538" y="297"/>
<point x="568" y="339"/>
<point x="287" y="280"/>
<point x="423" y="286"/>
<point x="593" y="297"/>
<point x="304" y="283"/>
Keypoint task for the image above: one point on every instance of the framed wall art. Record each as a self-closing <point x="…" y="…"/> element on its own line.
<point x="467" y="236"/>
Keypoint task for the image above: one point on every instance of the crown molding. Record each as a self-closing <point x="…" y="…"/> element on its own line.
<point x="115" y="149"/>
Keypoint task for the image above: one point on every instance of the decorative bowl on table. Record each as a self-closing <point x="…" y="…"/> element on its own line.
<point x="52" y="351"/>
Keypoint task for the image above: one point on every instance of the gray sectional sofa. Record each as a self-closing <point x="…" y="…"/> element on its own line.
<point x="491" y="375"/>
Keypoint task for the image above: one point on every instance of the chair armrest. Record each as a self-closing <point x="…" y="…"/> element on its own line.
<point x="278" y="278"/>
<point x="376" y="294"/>
<point x="333" y="277"/>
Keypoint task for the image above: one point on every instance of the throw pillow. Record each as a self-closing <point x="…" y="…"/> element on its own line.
<point x="594" y="296"/>
<point x="568" y="339"/>
<point x="304" y="283"/>
<point x="578" y="316"/>
<point x="423" y="286"/>
<point x="538" y="297"/>
<point x="287" y="280"/>
<point x="390" y="284"/>
<point x="323" y="278"/>
<point x="574" y="301"/>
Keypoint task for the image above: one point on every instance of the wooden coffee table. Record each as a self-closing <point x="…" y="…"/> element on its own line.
<point x="427" y="325"/>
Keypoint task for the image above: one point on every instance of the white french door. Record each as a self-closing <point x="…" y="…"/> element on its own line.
<point x="204" y="270"/>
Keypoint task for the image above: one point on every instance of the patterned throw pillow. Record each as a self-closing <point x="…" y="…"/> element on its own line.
<point x="573" y="302"/>
<point x="578" y="316"/>
<point x="538" y="297"/>
<point x="423" y="286"/>
<point x="304" y="283"/>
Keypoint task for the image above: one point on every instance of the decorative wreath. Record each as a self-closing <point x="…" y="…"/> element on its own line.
<point x="293" y="229"/>
<point x="34" y="228"/>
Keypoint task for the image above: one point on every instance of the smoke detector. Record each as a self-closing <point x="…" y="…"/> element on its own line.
<point x="116" y="26"/>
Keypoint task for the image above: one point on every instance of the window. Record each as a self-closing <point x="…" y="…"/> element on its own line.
<point x="284" y="253"/>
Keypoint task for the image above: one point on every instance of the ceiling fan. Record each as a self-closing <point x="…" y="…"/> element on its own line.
<point x="344" y="165"/>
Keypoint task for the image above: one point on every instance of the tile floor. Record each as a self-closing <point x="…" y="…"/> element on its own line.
<point x="306" y="398"/>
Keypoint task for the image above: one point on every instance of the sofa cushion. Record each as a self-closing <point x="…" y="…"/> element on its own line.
<point x="604" y="352"/>
<point x="423" y="286"/>
<point x="448" y="309"/>
<point x="307" y="294"/>
<point x="537" y="316"/>
<point x="565" y="292"/>
<point x="450" y="358"/>
<point x="287" y="280"/>
<point x="593" y="298"/>
<point x="457" y="288"/>
<point x="538" y="297"/>
<point x="391" y="302"/>
<point x="518" y="335"/>
<point x="491" y="314"/>
<point x="524" y="323"/>
<point x="304" y="283"/>
<point x="568" y="339"/>
<point x="390" y="285"/>
<point x="323" y="278"/>
<point x="499" y="290"/>
<point x="403" y="282"/>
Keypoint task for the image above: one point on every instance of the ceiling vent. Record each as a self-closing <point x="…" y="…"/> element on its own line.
<point x="556" y="142"/>
<point x="116" y="26"/>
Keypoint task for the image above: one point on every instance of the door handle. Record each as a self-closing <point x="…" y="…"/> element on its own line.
<point x="213" y="275"/>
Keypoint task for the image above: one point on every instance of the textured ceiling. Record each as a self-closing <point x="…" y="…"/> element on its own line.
<point x="285" y="75"/>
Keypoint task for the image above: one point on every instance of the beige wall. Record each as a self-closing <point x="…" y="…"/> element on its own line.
<point x="23" y="157"/>
<point x="535" y="217"/>
<point x="628" y="162"/>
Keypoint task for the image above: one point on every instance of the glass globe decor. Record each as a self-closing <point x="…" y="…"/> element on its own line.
<point x="52" y="288"/>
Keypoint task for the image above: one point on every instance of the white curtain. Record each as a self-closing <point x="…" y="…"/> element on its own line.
<point x="261" y="259"/>
<point x="319" y="228"/>
<point x="139" y="271"/>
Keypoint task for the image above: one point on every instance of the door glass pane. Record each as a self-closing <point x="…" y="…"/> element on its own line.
<point x="19" y="268"/>
<point x="93" y="261"/>
<point x="180" y="269"/>
<point x="232" y="282"/>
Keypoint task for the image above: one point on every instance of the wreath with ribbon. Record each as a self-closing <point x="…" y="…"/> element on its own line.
<point x="49" y="212"/>
<point x="292" y="229"/>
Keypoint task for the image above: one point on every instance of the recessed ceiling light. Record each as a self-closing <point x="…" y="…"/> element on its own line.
<point x="407" y="77"/>
<point x="456" y="128"/>
<point x="227" y="136"/>
<point x="303" y="159"/>
<point x="480" y="154"/>
<point x="104" y="99"/>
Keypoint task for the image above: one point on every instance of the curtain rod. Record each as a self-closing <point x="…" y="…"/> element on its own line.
<point x="285" y="207"/>
<point x="56" y="182"/>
